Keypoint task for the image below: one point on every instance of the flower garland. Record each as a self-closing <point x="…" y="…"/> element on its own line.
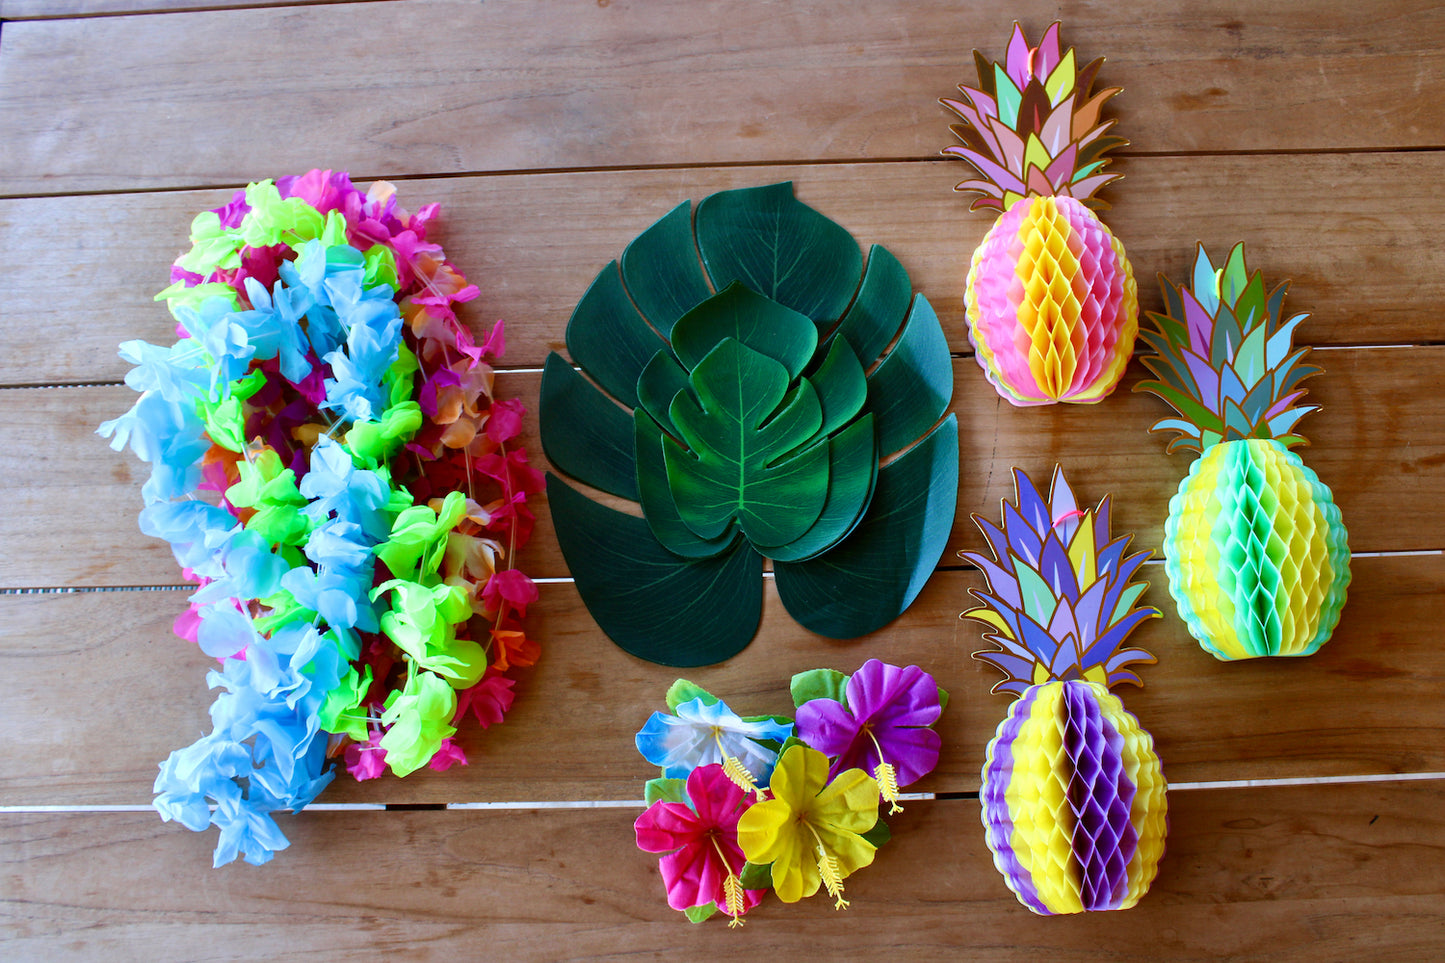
<point x="766" y="802"/>
<point x="325" y="411"/>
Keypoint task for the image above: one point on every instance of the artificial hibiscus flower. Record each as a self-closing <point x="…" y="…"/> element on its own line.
<point x="701" y="733"/>
<point x="703" y="861"/>
<point x="882" y="728"/>
<point x="812" y="829"/>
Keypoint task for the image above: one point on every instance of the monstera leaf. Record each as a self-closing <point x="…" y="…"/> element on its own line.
<point x="785" y="403"/>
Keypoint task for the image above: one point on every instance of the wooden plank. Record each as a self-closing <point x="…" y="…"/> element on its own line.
<point x="1379" y="443"/>
<point x="57" y="9"/>
<point x="1280" y="874"/>
<point x="534" y="242"/>
<point x="99" y="692"/>
<point x="529" y="85"/>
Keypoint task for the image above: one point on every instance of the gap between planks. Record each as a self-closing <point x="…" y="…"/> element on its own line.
<point x="542" y="804"/>
<point x="720" y="165"/>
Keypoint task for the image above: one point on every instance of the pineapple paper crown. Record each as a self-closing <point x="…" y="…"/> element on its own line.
<point x="1224" y="359"/>
<point x="1060" y="599"/>
<point x="1032" y="126"/>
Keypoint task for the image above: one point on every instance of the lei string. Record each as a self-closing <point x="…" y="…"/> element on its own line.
<point x="748" y="804"/>
<point x="329" y="466"/>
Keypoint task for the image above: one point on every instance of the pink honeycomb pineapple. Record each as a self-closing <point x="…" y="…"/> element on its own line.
<point x="1051" y="300"/>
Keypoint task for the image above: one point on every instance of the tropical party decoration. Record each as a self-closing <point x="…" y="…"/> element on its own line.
<point x="757" y="391"/>
<point x="748" y="804"/>
<point x="1073" y="795"/>
<point x="1257" y="555"/>
<point x="329" y="464"/>
<point x="1051" y="304"/>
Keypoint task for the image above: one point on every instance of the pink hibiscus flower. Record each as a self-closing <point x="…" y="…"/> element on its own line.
<point x="703" y="858"/>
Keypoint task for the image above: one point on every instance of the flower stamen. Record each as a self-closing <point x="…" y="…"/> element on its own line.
<point x="732" y="889"/>
<point x="734" y="769"/>
<point x="887" y="778"/>
<point x="828" y="869"/>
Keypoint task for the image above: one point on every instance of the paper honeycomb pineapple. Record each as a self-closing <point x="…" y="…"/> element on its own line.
<point x="1256" y="552"/>
<point x="1073" y="793"/>
<point x="1051" y="299"/>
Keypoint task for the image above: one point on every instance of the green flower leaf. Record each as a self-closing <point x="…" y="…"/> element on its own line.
<point x="665" y="790"/>
<point x="819" y="684"/>
<point x="879" y="834"/>
<point x="698" y="914"/>
<point x="756" y="876"/>
<point x="684" y="691"/>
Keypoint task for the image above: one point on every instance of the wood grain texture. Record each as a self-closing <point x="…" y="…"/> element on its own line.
<point x="1279" y="874"/>
<point x="534" y="242"/>
<point x="57" y="9"/>
<point x="1379" y="444"/>
<point x="459" y="87"/>
<point x="100" y="692"/>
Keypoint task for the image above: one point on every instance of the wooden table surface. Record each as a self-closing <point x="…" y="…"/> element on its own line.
<point x="1306" y="805"/>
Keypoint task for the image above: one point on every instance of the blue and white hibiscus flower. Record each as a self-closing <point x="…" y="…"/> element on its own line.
<point x="700" y="733"/>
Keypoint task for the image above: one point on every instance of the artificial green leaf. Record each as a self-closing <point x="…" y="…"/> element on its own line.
<point x="660" y="381"/>
<point x="819" y="684"/>
<point x="658" y="506"/>
<point x="609" y="339"/>
<point x="666" y="790"/>
<point x="740" y="431"/>
<point x="779" y="247"/>
<point x="878" y="311"/>
<point x="745" y="428"/>
<point x="684" y="691"/>
<point x="756" y="876"/>
<point x="853" y="471"/>
<point x="699" y="914"/>
<point x="842" y="388"/>
<point x="875" y="573"/>
<point x="662" y="272"/>
<point x="942" y="697"/>
<point x="879" y="834"/>
<point x="913" y="386"/>
<point x="652" y="603"/>
<point x="587" y="436"/>
<point x="763" y="325"/>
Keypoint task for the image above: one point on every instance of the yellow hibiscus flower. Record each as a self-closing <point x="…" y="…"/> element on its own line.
<point x="811" y="830"/>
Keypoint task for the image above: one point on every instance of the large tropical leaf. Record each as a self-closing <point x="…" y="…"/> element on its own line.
<point x="739" y="337"/>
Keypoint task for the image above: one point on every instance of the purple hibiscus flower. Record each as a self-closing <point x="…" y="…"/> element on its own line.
<point x="884" y="723"/>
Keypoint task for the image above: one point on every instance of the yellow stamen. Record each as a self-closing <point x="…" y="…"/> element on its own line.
<point x="739" y="774"/>
<point x="828" y="869"/>
<point x="732" y="889"/>
<point x="734" y="769"/>
<point x="887" y="778"/>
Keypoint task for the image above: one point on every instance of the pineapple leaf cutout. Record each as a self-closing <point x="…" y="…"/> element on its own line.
<point x="1073" y="794"/>
<point x="1051" y="301"/>
<point x="1032" y="126"/>
<point x="1060" y="601"/>
<point x="756" y="389"/>
<point x="1256" y="552"/>
<point x="1223" y="358"/>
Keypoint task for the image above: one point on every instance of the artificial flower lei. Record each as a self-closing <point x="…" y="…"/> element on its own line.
<point x="748" y="804"/>
<point x="328" y="463"/>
